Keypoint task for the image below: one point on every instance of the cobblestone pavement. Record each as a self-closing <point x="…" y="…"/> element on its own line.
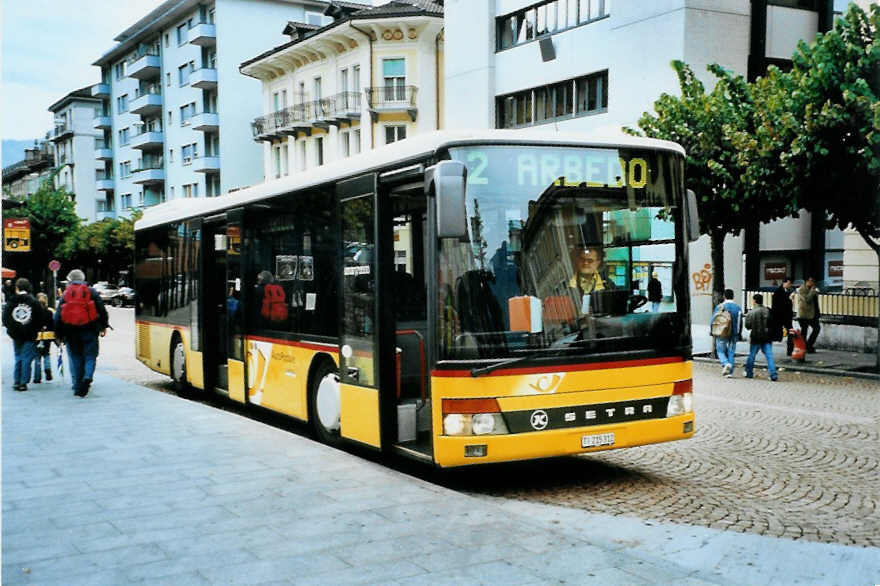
<point x="797" y="458"/>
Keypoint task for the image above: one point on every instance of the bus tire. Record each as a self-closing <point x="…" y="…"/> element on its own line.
<point x="177" y="362"/>
<point x="324" y="403"/>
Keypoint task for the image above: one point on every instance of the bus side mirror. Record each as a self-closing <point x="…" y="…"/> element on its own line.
<point x="692" y="217"/>
<point x="449" y="179"/>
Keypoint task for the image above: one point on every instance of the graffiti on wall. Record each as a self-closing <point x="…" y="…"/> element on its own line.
<point x="703" y="280"/>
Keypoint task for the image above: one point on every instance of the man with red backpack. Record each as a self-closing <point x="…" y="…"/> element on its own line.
<point x="80" y="318"/>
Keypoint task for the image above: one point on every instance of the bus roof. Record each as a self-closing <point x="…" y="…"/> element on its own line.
<point x="421" y="145"/>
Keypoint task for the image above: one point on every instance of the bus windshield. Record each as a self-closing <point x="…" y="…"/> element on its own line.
<point x="570" y="251"/>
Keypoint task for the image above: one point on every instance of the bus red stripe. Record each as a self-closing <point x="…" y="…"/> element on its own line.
<point x="307" y="345"/>
<point x="563" y="368"/>
<point x="161" y="324"/>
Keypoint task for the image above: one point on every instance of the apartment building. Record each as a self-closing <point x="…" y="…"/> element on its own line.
<point x="596" y="65"/>
<point x="73" y="139"/>
<point x="173" y="106"/>
<point x="22" y="178"/>
<point x="371" y="77"/>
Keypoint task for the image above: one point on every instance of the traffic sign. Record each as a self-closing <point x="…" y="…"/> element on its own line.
<point x="54" y="265"/>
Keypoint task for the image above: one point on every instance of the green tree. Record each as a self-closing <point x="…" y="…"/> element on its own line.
<point x="819" y="127"/>
<point x="103" y="248"/>
<point x="705" y="124"/>
<point x="53" y="217"/>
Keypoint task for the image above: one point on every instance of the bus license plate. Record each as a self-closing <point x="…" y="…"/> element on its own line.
<point x="596" y="440"/>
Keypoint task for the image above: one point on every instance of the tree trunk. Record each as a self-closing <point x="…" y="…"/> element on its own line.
<point x="716" y="240"/>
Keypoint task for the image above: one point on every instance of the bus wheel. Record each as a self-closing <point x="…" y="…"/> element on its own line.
<point x="324" y="404"/>
<point x="178" y="365"/>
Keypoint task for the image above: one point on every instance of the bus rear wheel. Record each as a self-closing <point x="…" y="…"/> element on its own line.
<point x="324" y="404"/>
<point x="178" y="365"/>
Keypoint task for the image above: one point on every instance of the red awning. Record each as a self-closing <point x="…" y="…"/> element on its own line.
<point x="7" y="273"/>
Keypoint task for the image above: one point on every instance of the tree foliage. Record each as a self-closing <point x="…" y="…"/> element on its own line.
<point x="818" y="126"/>
<point x="706" y="124"/>
<point x="53" y="217"/>
<point x="104" y="248"/>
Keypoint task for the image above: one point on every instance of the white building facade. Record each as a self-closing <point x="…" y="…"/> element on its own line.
<point x="372" y="77"/>
<point x="174" y="106"/>
<point x="586" y="65"/>
<point x="74" y="141"/>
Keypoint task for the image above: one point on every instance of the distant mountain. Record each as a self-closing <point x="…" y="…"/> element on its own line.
<point x="13" y="150"/>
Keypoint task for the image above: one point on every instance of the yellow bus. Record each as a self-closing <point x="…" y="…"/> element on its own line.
<point x="457" y="297"/>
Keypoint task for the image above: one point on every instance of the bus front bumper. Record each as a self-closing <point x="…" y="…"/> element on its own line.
<point x="452" y="451"/>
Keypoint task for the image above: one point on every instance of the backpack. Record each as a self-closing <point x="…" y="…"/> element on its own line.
<point x="78" y="308"/>
<point x="722" y="323"/>
<point x="274" y="308"/>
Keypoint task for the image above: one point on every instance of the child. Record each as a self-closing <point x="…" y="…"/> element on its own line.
<point x="44" y="340"/>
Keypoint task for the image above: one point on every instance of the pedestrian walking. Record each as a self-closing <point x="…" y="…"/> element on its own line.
<point x="808" y="312"/>
<point x="758" y="322"/>
<point x="781" y="314"/>
<point x="725" y="329"/>
<point x="45" y="339"/>
<point x="81" y="317"/>
<point x="23" y="319"/>
<point x="655" y="292"/>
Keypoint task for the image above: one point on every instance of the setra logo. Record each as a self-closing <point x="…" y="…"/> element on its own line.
<point x="546" y="383"/>
<point x="539" y="419"/>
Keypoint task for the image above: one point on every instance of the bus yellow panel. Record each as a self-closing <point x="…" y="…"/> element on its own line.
<point x="235" y="379"/>
<point x="359" y="414"/>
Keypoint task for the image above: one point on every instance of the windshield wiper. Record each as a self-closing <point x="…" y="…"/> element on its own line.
<point x="475" y="372"/>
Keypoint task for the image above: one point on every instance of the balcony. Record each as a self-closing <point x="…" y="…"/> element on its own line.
<point x="347" y="106"/>
<point x="60" y="132"/>
<point x="149" y="173"/>
<point x="392" y="99"/>
<point x="103" y="152"/>
<point x="149" y="139"/>
<point x="203" y="35"/>
<point x="145" y="65"/>
<point x="204" y="78"/>
<point x="102" y="121"/>
<point x="104" y="183"/>
<point x="105" y="215"/>
<point x="148" y="103"/>
<point x="209" y="164"/>
<point x="205" y="121"/>
<point x="101" y="90"/>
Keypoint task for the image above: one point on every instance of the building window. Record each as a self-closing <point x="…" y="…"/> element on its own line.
<point x="172" y="192"/>
<point x="119" y="70"/>
<point x="394" y="133"/>
<point x="191" y="190"/>
<point x="170" y="155"/>
<point x="186" y="112"/>
<point x="122" y="104"/>
<point x="356" y="78"/>
<point x="123" y="136"/>
<point x="276" y="153"/>
<point x="183" y="75"/>
<point x="168" y="79"/>
<point x="581" y="96"/>
<point x="319" y="151"/>
<point x="356" y="135"/>
<point x="302" y="156"/>
<point x="181" y="34"/>
<point x="285" y="153"/>
<point x="125" y="169"/>
<point x="549" y="16"/>
<point x="166" y="40"/>
<point x="316" y="85"/>
<point x="188" y="153"/>
<point x="344" y="144"/>
<point x="125" y="201"/>
<point x="394" y="75"/>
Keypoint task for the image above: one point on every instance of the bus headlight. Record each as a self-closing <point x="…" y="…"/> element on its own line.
<point x="457" y="424"/>
<point x="680" y="404"/>
<point x="488" y="423"/>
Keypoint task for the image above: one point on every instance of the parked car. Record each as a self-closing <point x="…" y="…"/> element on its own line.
<point x="106" y="291"/>
<point x="124" y="297"/>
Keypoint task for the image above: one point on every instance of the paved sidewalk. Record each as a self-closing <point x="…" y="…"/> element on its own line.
<point x="130" y="485"/>
<point x="833" y="362"/>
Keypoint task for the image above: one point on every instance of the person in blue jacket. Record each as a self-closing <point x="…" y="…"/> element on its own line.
<point x="726" y="345"/>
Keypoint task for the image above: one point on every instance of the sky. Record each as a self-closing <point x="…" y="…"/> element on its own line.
<point x="47" y="51"/>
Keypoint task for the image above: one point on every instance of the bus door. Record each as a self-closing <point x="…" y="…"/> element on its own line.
<point x="365" y="342"/>
<point x="222" y="331"/>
